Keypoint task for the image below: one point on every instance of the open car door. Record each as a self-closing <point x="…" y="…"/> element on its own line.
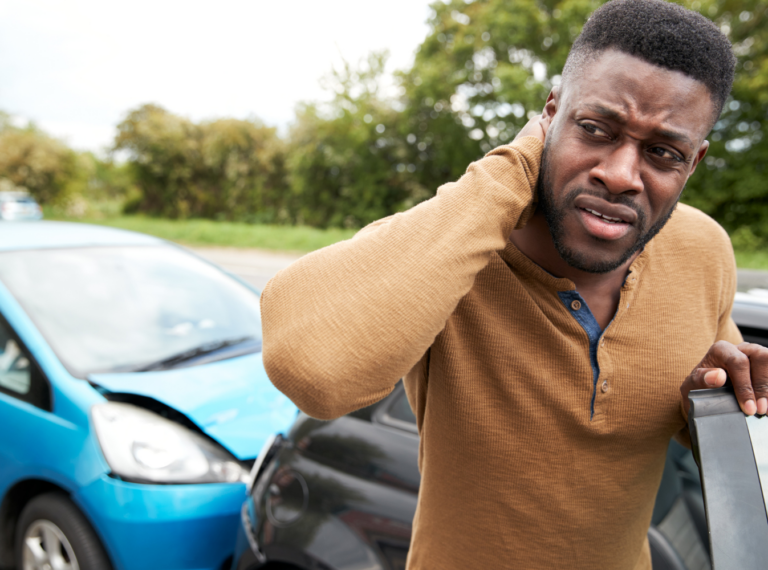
<point x="731" y="451"/>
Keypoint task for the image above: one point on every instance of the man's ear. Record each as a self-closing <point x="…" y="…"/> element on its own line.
<point x="551" y="106"/>
<point x="700" y="154"/>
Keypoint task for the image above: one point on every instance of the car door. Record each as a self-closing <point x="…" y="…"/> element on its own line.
<point x="36" y="443"/>
<point x="25" y="404"/>
<point x="731" y="451"/>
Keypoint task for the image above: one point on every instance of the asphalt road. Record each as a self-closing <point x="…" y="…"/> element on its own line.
<point x="253" y="265"/>
<point x="258" y="266"/>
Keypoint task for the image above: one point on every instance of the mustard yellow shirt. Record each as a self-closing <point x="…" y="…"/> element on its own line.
<point x="527" y="462"/>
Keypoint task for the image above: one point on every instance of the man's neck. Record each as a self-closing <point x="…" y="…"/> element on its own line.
<point x="600" y="291"/>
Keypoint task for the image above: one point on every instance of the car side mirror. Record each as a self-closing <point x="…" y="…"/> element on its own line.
<point x="733" y="497"/>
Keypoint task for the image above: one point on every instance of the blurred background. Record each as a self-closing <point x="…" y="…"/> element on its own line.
<point x="290" y="125"/>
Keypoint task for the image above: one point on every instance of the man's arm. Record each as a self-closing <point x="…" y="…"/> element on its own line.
<point x="744" y="363"/>
<point x="343" y="324"/>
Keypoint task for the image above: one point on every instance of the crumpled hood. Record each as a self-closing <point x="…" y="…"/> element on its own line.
<point x="231" y="400"/>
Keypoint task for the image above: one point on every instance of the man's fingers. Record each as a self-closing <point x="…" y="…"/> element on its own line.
<point x="712" y="377"/>
<point x="544" y="121"/>
<point x="758" y="368"/>
<point x="533" y="128"/>
<point x="747" y="367"/>
<point x="736" y="363"/>
<point x="701" y="379"/>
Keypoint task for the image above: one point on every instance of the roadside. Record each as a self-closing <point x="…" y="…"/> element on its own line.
<point x="223" y="234"/>
<point x="257" y="266"/>
<point x="297" y="240"/>
<point x="752" y="279"/>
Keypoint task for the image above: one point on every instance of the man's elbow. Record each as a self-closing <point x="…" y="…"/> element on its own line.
<point x="311" y="395"/>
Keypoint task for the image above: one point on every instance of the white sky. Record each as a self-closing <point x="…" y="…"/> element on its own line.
<point x="75" y="67"/>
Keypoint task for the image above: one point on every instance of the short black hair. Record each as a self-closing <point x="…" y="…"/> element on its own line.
<point x="661" y="33"/>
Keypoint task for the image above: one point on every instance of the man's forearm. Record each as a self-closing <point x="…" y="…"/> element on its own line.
<point x="343" y="324"/>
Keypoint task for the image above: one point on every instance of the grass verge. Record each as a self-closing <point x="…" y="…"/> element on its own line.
<point x="280" y="238"/>
<point x="752" y="259"/>
<point x="226" y="234"/>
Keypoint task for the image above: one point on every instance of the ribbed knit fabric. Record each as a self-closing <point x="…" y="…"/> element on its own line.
<point x="515" y="474"/>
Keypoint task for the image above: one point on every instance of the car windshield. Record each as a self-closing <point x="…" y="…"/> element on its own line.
<point x="114" y="309"/>
<point x="21" y="199"/>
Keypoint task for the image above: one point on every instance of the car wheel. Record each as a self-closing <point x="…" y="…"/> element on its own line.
<point x="53" y="534"/>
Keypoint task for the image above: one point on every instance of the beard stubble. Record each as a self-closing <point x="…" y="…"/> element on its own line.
<point x="555" y="214"/>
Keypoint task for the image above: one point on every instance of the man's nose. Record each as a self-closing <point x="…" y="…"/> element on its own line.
<point x="619" y="170"/>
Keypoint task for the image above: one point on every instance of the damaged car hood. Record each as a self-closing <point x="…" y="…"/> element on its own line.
<point x="231" y="400"/>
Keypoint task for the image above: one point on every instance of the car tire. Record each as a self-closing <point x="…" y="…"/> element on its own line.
<point x="54" y="519"/>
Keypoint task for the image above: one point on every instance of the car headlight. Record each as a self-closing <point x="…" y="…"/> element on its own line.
<point x="142" y="446"/>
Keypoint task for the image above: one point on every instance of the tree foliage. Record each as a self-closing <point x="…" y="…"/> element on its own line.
<point x="33" y="161"/>
<point x="376" y="148"/>
<point x="486" y="66"/>
<point x="731" y="184"/>
<point x="483" y="69"/>
<point x="347" y="160"/>
<point x="227" y="169"/>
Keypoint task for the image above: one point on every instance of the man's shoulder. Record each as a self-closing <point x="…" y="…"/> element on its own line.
<point x="690" y="227"/>
<point x="693" y="239"/>
<point x="687" y="217"/>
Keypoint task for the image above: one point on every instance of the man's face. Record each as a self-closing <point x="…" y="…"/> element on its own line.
<point x="624" y="138"/>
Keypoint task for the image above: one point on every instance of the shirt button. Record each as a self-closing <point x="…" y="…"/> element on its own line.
<point x="604" y="387"/>
<point x="575" y="304"/>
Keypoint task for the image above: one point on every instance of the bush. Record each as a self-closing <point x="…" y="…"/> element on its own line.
<point x="225" y="169"/>
<point x="347" y="159"/>
<point x="45" y="167"/>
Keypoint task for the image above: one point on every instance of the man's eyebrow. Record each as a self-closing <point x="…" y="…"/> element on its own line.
<point x="620" y="118"/>
<point x="607" y="112"/>
<point x="675" y="136"/>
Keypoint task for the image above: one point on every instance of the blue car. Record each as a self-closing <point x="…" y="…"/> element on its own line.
<point x="133" y="401"/>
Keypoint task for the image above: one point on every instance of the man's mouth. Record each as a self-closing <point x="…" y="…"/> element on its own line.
<point x="604" y="217"/>
<point x="604" y="220"/>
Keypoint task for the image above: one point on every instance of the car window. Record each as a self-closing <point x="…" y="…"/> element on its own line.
<point x="395" y="411"/>
<point x="19" y="375"/>
<point x="14" y="367"/>
<point x="758" y="434"/>
<point x="754" y="334"/>
<point x="116" y="309"/>
<point x="401" y="410"/>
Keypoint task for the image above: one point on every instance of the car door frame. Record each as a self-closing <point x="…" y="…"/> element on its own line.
<point x="733" y="495"/>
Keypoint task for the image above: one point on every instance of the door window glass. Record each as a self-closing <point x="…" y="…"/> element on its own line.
<point x="14" y="366"/>
<point x="758" y="433"/>
<point x="19" y="375"/>
<point x="401" y="410"/>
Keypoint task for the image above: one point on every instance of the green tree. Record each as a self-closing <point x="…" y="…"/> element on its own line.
<point x="488" y="65"/>
<point x="33" y="161"/>
<point x="731" y="184"/>
<point x="482" y="70"/>
<point x="347" y="159"/>
<point x="227" y="169"/>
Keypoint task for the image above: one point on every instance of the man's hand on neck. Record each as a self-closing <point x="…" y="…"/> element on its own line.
<point x="536" y="127"/>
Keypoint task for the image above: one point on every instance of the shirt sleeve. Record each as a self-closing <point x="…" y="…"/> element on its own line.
<point x="343" y="324"/>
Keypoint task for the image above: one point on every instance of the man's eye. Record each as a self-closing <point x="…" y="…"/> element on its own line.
<point x="666" y="154"/>
<point x="593" y="129"/>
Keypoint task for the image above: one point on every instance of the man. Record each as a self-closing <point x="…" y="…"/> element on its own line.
<point x="550" y="311"/>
